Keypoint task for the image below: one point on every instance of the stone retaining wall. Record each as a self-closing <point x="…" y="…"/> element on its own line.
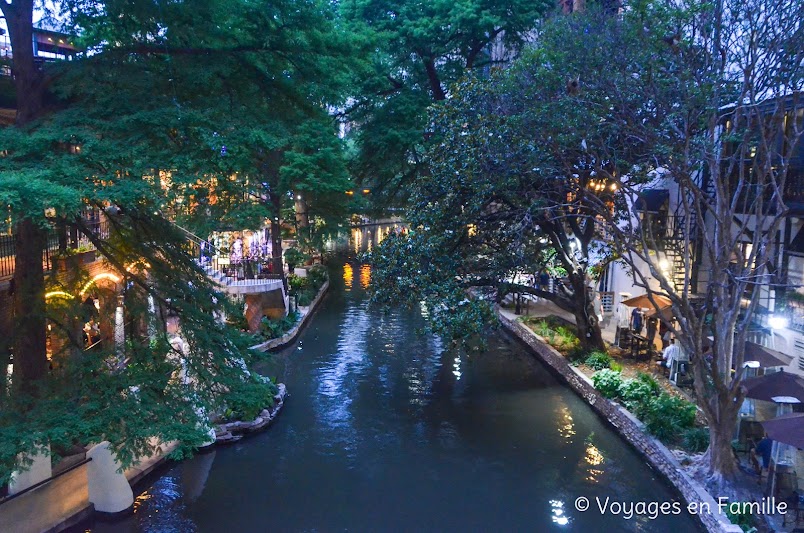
<point x="631" y="429"/>
<point x="290" y="336"/>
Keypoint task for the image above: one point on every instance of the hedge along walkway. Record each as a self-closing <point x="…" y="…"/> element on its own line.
<point x="304" y="315"/>
<point x="631" y="429"/>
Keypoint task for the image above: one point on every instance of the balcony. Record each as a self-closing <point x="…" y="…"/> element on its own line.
<point x="66" y="242"/>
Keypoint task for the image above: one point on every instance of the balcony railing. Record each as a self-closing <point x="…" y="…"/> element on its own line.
<point x="56" y="242"/>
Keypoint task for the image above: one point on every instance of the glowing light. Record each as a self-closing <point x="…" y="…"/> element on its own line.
<point x="777" y="322"/>
<point x="366" y="191"/>
<point x="365" y="276"/>
<point x="613" y="186"/>
<point x="472" y="229"/>
<point x="99" y="277"/>
<point x="664" y="265"/>
<point x="348" y="275"/>
<point x="566" y="426"/>
<point x="593" y="455"/>
<point x="557" y="513"/>
<point x="60" y="294"/>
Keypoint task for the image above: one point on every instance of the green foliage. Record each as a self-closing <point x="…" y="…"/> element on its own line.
<point x="598" y="360"/>
<point x="666" y="416"/>
<point x="233" y="98"/>
<point x="695" y="440"/>
<point x="295" y="257"/>
<point x="608" y="382"/>
<point x="617" y="367"/>
<point x="418" y="50"/>
<point x="317" y="274"/>
<point x="650" y="381"/>
<point x="636" y="396"/>
<point x="306" y="298"/>
<point x="743" y="519"/>
<point x="250" y="399"/>
<point x="275" y="328"/>
<point x="298" y="283"/>
<point x="556" y="332"/>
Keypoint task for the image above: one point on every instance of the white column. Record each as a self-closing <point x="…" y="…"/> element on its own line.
<point x="109" y="490"/>
<point x="119" y="329"/>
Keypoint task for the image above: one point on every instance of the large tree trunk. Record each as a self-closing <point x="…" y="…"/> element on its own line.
<point x="29" y="80"/>
<point x="30" y="339"/>
<point x="586" y="322"/>
<point x="721" y="467"/>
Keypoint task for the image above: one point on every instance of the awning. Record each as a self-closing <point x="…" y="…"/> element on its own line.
<point x="652" y="200"/>
<point x="788" y="429"/>
<point x="766" y="356"/>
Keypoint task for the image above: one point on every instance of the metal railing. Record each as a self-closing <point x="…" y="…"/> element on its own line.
<point x="237" y="267"/>
<point x="65" y="241"/>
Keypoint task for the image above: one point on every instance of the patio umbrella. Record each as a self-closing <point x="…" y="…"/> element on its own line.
<point x="766" y="356"/>
<point x="776" y="384"/>
<point x="643" y="301"/>
<point x="788" y="429"/>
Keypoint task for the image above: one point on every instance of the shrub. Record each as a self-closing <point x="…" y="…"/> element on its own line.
<point x="607" y="382"/>
<point x="598" y="360"/>
<point x="298" y="283"/>
<point x="667" y="416"/>
<point x="305" y="298"/>
<point x="317" y="275"/>
<point x="617" y="367"/>
<point x="247" y="400"/>
<point x="577" y="354"/>
<point x="695" y="439"/>
<point x="295" y="257"/>
<point x="650" y="381"/>
<point x="636" y="395"/>
<point x="273" y="329"/>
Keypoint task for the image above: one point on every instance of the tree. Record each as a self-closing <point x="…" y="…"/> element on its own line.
<point x="729" y="133"/>
<point x="124" y="129"/>
<point x="522" y="165"/>
<point x="421" y="48"/>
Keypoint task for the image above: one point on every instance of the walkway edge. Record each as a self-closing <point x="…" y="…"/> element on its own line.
<point x="631" y="429"/>
<point x="290" y="336"/>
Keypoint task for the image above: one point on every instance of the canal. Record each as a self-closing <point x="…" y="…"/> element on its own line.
<point x="386" y="430"/>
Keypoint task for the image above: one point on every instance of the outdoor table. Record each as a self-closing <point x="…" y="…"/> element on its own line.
<point x="639" y="347"/>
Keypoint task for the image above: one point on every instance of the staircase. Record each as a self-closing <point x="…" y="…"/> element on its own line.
<point x="679" y="226"/>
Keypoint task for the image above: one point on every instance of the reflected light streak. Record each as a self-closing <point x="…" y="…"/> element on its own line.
<point x="557" y="513"/>
<point x="348" y="275"/>
<point x="365" y="276"/>
<point x="593" y="457"/>
<point x="566" y="426"/>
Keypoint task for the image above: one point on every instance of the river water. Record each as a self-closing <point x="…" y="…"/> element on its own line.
<point x="386" y="430"/>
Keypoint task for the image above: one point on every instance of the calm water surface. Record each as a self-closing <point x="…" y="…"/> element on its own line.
<point x="385" y="430"/>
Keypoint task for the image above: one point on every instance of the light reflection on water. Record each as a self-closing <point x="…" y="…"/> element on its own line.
<point x="385" y="430"/>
